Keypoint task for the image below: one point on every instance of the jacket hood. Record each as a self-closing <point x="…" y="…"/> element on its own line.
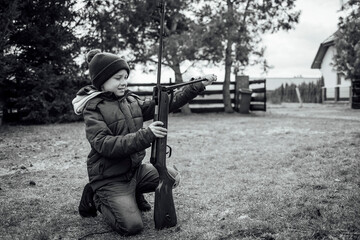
<point x="89" y="92"/>
<point x="82" y="97"/>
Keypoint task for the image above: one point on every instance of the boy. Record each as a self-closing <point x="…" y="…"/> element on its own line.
<point x="114" y="128"/>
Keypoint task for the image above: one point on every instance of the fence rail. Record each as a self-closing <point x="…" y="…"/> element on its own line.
<point x="258" y="101"/>
<point x="211" y="99"/>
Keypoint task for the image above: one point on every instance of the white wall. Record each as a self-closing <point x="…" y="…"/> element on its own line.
<point x="328" y="71"/>
<point x="330" y="76"/>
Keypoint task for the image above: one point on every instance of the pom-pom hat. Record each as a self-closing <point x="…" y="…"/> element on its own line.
<point x="103" y="66"/>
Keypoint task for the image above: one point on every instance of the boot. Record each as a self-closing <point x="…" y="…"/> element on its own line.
<point x="87" y="205"/>
<point x="143" y="205"/>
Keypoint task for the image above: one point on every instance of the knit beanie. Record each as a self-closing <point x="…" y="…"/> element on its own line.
<point x="104" y="65"/>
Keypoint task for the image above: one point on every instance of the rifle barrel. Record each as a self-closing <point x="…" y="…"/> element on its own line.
<point x="162" y="19"/>
<point x="184" y="84"/>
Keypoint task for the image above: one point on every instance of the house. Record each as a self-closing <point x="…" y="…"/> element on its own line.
<point x="336" y="87"/>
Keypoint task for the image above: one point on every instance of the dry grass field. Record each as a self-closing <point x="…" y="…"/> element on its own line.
<point x="289" y="173"/>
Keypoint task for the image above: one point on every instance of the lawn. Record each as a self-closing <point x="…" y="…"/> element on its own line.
<point x="289" y="173"/>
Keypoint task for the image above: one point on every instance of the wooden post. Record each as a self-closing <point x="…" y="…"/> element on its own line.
<point x="350" y="94"/>
<point x="323" y="94"/>
<point x="337" y="97"/>
<point x="299" y="96"/>
<point x="265" y="100"/>
<point x="240" y="82"/>
<point x="355" y="97"/>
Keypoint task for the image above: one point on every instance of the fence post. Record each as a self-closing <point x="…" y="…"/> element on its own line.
<point x="323" y="94"/>
<point x="355" y="97"/>
<point x="337" y="97"/>
<point x="241" y="81"/>
<point x="299" y="96"/>
<point x="265" y="100"/>
<point x="351" y="94"/>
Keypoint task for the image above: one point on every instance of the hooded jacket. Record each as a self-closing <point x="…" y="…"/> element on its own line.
<point x="114" y="129"/>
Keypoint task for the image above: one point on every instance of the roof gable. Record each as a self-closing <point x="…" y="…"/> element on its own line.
<point x="324" y="46"/>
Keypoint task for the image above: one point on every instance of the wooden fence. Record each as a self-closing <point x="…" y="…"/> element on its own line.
<point x="336" y="94"/>
<point x="355" y="94"/>
<point x="211" y="100"/>
<point x="343" y="94"/>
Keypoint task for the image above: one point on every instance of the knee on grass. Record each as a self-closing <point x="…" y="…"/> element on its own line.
<point x="129" y="227"/>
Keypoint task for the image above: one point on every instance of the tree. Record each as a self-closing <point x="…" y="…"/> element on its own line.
<point x="181" y="42"/>
<point x="8" y="13"/>
<point x="347" y="43"/>
<point x="42" y="46"/>
<point x="232" y="31"/>
<point x="122" y="25"/>
<point x="111" y="25"/>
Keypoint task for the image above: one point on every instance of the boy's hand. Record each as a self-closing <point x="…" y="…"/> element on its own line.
<point x="157" y="130"/>
<point x="210" y="78"/>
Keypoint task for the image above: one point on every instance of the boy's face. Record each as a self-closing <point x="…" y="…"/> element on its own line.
<point x="117" y="83"/>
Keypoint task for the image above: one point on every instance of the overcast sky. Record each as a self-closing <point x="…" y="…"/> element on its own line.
<point x="291" y="53"/>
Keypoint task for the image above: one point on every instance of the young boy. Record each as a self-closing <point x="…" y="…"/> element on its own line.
<point x="114" y="128"/>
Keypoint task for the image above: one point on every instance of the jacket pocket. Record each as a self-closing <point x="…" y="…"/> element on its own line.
<point x="137" y="158"/>
<point x="96" y="169"/>
<point x="115" y="168"/>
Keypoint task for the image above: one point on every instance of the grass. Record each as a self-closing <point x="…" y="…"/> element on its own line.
<point x="289" y="173"/>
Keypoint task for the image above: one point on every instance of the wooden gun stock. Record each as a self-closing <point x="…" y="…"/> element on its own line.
<point x="164" y="209"/>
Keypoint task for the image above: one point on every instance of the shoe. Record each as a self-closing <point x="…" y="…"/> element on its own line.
<point x="87" y="205"/>
<point x="143" y="205"/>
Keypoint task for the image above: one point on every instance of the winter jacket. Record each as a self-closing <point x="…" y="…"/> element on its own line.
<point x="114" y="129"/>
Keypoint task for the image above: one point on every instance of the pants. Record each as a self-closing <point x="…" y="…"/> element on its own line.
<point x="117" y="202"/>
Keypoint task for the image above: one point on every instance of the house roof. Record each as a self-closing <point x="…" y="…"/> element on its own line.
<point x="322" y="50"/>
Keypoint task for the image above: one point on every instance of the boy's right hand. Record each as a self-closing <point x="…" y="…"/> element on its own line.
<point x="157" y="129"/>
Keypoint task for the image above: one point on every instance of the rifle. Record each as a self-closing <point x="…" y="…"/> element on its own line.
<point x="164" y="209"/>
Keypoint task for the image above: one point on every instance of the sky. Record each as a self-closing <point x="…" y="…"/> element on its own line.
<point x="290" y="53"/>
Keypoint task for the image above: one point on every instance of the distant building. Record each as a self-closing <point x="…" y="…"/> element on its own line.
<point x="336" y="87"/>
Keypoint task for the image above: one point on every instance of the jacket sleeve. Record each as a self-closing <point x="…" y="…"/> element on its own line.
<point x="185" y="95"/>
<point x="147" y="109"/>
<point x="181" y="97"/>
<point x="105" y="143"/>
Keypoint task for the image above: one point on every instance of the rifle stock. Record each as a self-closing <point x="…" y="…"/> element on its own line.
<point x="164" y="209"/>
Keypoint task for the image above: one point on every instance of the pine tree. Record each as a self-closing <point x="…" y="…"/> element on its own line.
<point x="41" y="83"/>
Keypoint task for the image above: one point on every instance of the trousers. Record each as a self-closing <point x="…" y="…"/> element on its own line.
<point x="117" y="203"/>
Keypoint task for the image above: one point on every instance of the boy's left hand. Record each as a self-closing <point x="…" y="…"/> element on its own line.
<point x="210" y="78"/>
